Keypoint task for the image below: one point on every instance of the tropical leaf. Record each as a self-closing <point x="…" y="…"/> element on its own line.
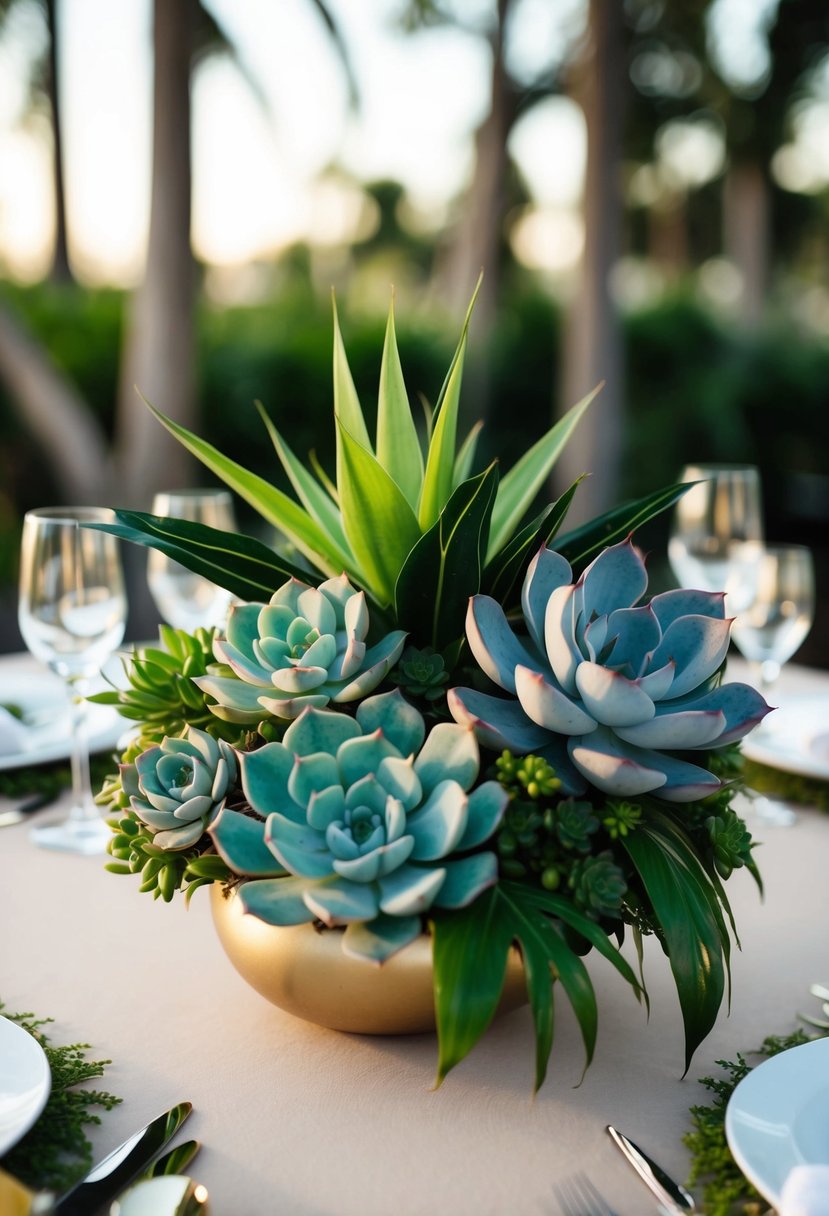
<point x="440" y="459"/>
<point x="524" y="480"/>
<point x="243" y="566"/>
<point x="444" y="568"/>
<point x="470" y="950"/>
<point x="379" y="523"/>
<point x="398" y="447"/>
<point x="694" y="933"/>
<point x="582" y="544"/>
<point x="274" y="506"/>
<point x="510" y="565"/>
<point x="314" y="498"/>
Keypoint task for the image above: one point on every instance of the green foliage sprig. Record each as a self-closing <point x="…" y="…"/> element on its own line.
<point x="726" y="1190"/>
<point x="56" y="1152"/>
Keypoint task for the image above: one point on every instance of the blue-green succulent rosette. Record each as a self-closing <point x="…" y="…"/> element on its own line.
<point x="306" y="647"/>
<point x="368" y="823"/>
<point x="616" y="693"/>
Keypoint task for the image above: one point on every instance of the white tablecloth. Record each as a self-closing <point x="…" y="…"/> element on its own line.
<point x="300" y="1120"/>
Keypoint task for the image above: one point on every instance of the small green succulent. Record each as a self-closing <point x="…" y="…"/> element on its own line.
<point x="730" y="840"/>
<point x="373" y="821"/>
<point x="161" y="693"/>
<point x="598" y="886"/>
<point x="620" y="818"/>
<point x="422" y="673"/>
<point x="179" y="787"/>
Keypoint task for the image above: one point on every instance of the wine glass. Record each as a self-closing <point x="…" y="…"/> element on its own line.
<point x="72" y="612"/>
<point x="717" y="528"/>
<point x="781" y="610"/>
<point x="186" y="600"/>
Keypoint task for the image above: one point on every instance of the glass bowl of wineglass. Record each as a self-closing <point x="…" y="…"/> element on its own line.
<point x="72" y="611"/>
<point x="717" y="526"/>
<point x="772" y="626"/>
<point x="186" y="600"/>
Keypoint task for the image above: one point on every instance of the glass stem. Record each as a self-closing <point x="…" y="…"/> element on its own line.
<point x="82" y="805"/>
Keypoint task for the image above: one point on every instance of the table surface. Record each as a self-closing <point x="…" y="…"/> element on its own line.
<point x="310" y="1122"/>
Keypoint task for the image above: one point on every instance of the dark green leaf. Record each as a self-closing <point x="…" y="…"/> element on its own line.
<point x="510" y="565"/>
<point x="243" y="566"/>
<point x="582" y="544"/>
<point x="694" y="935"/>
<point x="444" y="568"/>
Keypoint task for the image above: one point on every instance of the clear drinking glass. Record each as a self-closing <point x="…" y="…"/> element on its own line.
<point x="716" y="529"/>
<point x="72" y="611"/>
<point x="772" y="627"/>
<point x="186" y="600"/>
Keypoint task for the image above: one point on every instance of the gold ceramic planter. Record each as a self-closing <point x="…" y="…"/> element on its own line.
<point x="306" y="973"/>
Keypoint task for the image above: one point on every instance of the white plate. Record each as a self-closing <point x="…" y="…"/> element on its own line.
<point x="25" y="1082"/>
<point x="43" y="700"/>
<point x="795" y="738"/>
<point x="778" y="1117"/>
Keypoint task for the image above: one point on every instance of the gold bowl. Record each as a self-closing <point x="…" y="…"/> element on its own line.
<point x="306" y="973"/>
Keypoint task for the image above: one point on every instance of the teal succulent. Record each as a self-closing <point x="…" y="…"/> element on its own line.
<point x="367" y="816"/>
<point x="179" y="787"/>
<point x="422" y="673"/>
<point x="605" y="687"/>
<point x="305" y="648"/>
<point x="598" y="886"/>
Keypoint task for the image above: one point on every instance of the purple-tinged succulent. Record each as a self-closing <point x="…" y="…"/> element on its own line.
<point x="607" y="688"/>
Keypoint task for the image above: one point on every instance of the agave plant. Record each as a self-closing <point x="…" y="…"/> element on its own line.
<point x="367" y="819"/>
<point x="606" y="687"/>
<point x="179" y="787"/>
<point x="305" y="648"/>
<point x="406" y="519"/>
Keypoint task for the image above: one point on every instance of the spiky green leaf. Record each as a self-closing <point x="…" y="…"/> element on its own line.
<point x="379" y="523"/>
<point x="466" y="456"/>
<point x="509" y="566"/>
<point x="314" y="498"/>
<point x="271" y="503"/>
<point x="582" y="544"/>
<point x="444" y="568"/>
<point x="243" y="566"/>
<point x="398" y="447"/>
<point x="524" y="480"/>
<point x="440" y="459"/>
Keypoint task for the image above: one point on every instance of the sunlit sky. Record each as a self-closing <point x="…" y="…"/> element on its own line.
<point x="257" y="168"/>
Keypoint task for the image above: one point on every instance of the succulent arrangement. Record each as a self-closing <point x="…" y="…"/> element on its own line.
<point x="431" y="711"/>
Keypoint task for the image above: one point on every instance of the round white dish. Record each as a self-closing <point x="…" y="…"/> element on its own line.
<point x="25" y="1082"/>
<point x="795" y="738"/>
<point x="45" y="707"/>
<point x="778" y="1117"/>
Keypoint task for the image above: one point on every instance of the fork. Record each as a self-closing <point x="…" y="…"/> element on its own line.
<point x="577" y="1196"/>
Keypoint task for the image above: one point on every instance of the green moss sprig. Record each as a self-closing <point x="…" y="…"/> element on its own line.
<point x="56" y="1152"/>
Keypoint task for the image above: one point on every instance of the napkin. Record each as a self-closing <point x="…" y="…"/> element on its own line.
<point x="806" y="1191"/>
<point x="12" y="733"/>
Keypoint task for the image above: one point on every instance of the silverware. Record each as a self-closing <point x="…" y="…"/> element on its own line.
<point x="673" y="1197"/>
<point x="577" y="1196"/>
<point x="18" y="813"/>
<point x="110" y="1176"/>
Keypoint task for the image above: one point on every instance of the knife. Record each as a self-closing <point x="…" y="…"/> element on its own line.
<point x="669" y="1193"/>
<point x="105" y="1180"/>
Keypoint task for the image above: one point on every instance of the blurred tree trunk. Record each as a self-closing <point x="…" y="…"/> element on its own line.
<point x="160" y="344"/>
<point x="747" y="234"/>
<point x="61" y="271"/>
<point x="55" y="414"/>
<point x="592" y="338"/>
<point x="476" y="242"/>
